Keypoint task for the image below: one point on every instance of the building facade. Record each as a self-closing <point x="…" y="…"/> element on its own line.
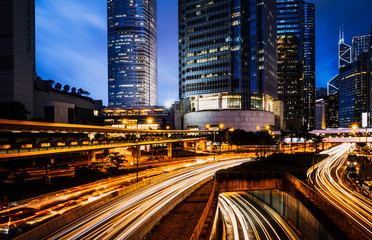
<point x="296" y="61"/>
<point x="359" y="45"/>
<point x="332" y="111"/>
<point x="132" y="53"/>
<point x="344" y="54"/>
<point x="17" y="52"/>
<point x="353" y="93"/>
<point x="320" y="113"/>
<point x="53" y="105"/>
<point x="227" y="61"/>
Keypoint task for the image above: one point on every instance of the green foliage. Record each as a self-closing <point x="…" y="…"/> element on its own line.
<point x="116" y="159"/>
<point x="241" y="137"/>
<point x="13" y="110"/>
<point x="66" y="88"/>
<point x="58" y="86"/>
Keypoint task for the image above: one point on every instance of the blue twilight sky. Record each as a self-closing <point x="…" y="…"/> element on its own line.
<point x="71" y="42"/>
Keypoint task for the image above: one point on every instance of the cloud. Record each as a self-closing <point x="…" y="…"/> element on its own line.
<point x="71" y="44"/>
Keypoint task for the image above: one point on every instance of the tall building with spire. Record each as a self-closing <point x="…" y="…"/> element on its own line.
<point x="344" y="50"/>
<point x="132" y="53"/>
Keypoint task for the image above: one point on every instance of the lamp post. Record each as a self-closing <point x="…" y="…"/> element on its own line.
<point x="214" y="135"/>
<point x="227" y="136"/>
<point x="138" y="151"/>
<point x="258" y="129"/>
<point x="148" y="121"/>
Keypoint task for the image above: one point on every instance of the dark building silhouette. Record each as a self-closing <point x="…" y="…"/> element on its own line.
<point x="17" y="51"/>
<point x="359" y="45"/>
<point x="332" y="111"/>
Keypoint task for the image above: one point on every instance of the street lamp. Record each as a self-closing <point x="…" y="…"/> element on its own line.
<point x="227" y="136"/>
<point x="148" y="121"/>
<point x="221" y="125"/>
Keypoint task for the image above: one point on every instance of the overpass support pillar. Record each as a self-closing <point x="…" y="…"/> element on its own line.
<point x="196" y="146"/>
<point x="91" y="157"/>
<point x="169" y="150"/>
<point x="186" y="145"/>
<point x="202" y="145"/>
<point x="152" y="152"/>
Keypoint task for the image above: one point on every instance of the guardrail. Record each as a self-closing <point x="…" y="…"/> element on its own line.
<point x="54" y="150"/>
<point x="204" y="215"/>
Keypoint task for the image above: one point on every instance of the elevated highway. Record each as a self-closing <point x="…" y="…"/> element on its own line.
<point x="22" y="139"/>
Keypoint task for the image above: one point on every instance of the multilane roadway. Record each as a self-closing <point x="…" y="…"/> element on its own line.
<point x="123" y="218"/>
<point x="245" y="217"/>
<point x="329" y="183"/>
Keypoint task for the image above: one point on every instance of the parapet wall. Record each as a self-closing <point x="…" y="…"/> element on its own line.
<point x="303" y="207"/>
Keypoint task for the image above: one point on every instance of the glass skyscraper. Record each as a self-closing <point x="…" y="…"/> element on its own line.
<point x="227" y="55"/>
<point x="359" y="45"/>
<point x="344" y="54"/>
<point x="296" y="61"/>
<point x="132" y="53"/>
<point x="353" y="94"/>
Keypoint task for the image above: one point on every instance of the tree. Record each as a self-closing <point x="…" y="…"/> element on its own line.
<point x="116" y="159"/>
<point x="73" y="90"/>
<point x="51" y="83"/>
<point x="58" y="86"/>
<point x="66" y="88"/>
<point x="86" y="93"/>
<point x="80" y="91"/>
<point x="13" y="110"/>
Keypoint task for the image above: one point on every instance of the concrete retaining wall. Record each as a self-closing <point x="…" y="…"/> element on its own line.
<point x="295" y="212"/>
<point x="336" y="223"/>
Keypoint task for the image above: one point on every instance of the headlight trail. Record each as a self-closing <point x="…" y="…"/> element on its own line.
<point x="53" y="204"/>
<point x="329" y="183"/>
<point x="246" y="218"/>
<point x="120" y="219"/>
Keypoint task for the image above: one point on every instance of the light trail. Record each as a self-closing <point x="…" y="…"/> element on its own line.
<point x="329" y="183"/>
<point x="122" y="218"/>
<point x="247" y="218"/>
<point x="40" y="209"/>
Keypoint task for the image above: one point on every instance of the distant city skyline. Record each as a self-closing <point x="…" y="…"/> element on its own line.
<point x="71" y="45"/>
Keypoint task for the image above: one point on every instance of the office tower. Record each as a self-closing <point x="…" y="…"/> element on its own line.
<point x="332" y="111"/>
<point x="132" y="53"/>
<point x="353" y="94"/>
<point x="344" y="51"/>
<point x="296" y="61"/>
<point x="227" y="62"/>
<point x="320" y="113"/>
<point x="359" y="45"/>
<point x="17" y="51"/>
<point x="332" y="86"/>
<point x="369" y="72"/>
<point x="309" y="64"/>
